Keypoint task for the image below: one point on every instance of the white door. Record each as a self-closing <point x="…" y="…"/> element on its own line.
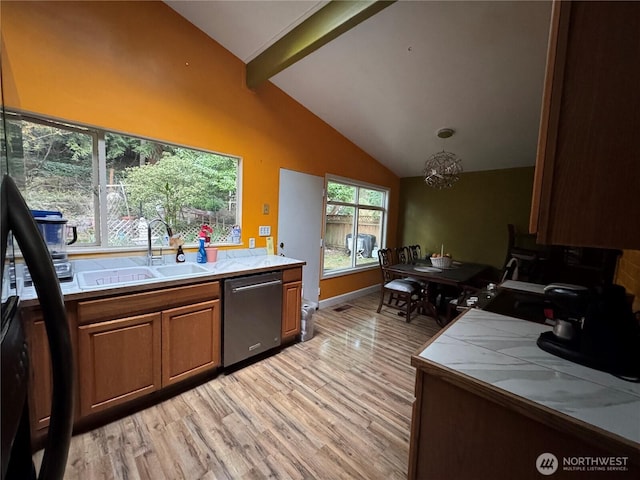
<point x="300" y="225"/>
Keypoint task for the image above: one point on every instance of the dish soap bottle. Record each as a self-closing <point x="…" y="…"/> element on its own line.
<point x="180" y="258"/>
<point x="201" y="257"/>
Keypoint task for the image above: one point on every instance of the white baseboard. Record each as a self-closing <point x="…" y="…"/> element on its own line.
<point x="345" y="297"/>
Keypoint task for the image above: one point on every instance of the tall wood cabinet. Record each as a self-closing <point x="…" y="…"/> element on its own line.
<point x="587" y="180"/>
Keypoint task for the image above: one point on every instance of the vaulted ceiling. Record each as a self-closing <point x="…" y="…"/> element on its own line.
<point x="389" y="83"/>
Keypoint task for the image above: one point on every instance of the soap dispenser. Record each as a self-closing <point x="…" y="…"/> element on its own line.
<point x="201" y="257"/>
<point x="180" y="258"/>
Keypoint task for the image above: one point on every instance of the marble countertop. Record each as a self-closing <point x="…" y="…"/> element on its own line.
<point x="501" y="351"/>
<point x="230" y="263"/>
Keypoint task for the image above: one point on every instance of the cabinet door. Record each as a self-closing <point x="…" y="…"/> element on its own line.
<point x="190" y="341"/>
<point x="118" y="361"/>
<point x="291" y="309"/>
<point x="40" y="384"/>
<point x="587" y="169"/>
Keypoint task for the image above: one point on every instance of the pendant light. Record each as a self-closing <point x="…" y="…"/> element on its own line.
<point x="442" y="169"/>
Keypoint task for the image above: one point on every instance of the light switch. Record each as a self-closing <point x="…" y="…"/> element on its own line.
<point x="264" y="230"/>
<point x="265" y="209"/>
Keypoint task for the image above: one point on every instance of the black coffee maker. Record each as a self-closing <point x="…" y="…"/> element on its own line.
<point x="594" y="327"/>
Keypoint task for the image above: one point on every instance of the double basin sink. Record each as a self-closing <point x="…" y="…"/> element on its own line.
<point x="134" y="275"/>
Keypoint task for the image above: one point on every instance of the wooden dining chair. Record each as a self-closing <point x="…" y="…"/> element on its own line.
<point x="414" y="253"/>
<point x="402" y="254"/>
<point x="401" y="294"/>
<point x="405" y="255"/>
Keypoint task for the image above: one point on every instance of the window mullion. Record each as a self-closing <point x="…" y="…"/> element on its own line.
<point x="340" y="204"/>
<point x="100" y="167"/>
<point x="354" y="250"/>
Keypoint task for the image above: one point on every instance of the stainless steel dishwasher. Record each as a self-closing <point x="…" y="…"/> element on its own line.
<point x="252" y="316"/>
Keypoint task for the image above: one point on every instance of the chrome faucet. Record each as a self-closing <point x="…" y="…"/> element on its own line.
<point x="150" y="256"/>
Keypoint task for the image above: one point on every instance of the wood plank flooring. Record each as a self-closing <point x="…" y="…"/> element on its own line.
<point x="335" y="407"/>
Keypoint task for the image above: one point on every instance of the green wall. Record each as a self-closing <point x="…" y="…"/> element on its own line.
<point x="470" y="218"/>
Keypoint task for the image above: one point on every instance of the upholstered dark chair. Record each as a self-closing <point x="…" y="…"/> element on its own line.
<point x="401" y="294"/>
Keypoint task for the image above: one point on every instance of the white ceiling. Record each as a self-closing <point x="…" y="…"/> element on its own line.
<point x="391" y="82"/>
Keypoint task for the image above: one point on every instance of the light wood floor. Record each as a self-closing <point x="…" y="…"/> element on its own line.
<point x="336" y="406"/>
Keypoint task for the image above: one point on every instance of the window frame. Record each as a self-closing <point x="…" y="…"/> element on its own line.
<point x="99" y="179"/>
<point x="384" y="209"/>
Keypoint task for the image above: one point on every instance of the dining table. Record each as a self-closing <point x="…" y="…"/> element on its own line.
<point x="461" y="275"/>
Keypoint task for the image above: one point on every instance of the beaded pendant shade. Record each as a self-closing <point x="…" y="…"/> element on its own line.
<point x="442" y="169"/>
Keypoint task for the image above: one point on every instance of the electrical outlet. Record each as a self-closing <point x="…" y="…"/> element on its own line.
<point x="252" y="242"/>
<point x="264" y="231"/>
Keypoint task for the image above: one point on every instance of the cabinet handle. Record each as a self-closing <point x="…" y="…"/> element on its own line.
<point x="256" y="285"/>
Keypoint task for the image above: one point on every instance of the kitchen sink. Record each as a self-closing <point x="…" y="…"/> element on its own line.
<point x="119" y="276"/>
<point x="133" y="275"/>
<point x="180" y="269"/>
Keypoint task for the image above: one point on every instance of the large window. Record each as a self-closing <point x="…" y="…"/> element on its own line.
<point x="355" y="224"/>
<point x="111" y="185"/>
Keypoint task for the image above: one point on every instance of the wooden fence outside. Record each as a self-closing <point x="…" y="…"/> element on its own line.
<point x="339" y="226"/>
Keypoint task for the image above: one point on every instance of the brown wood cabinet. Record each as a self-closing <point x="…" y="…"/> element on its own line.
<point x="190" y="341"/>
<point x="129" y="345"/>
<point x="291" y="303"/>
<point x="132" y="345"/>
<point x="587" y="179"/>
<point x="40" y="384"/>
<point x="40" y="375"/>
<point x="119" y="360"/>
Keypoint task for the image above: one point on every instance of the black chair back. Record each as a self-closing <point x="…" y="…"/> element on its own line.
<point x="402" y="253"/>
<point x="385" y="259"/>
<point x="414" y="252"/>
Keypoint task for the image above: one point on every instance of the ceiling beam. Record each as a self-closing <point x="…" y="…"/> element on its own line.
<point x="323" y="26"/>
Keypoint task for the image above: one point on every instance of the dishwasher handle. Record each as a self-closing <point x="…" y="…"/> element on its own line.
<point x="253" y="286"/>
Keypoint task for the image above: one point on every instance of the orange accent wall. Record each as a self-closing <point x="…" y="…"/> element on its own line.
<point x="628" y="275"/>
<point x="140" y="68"/>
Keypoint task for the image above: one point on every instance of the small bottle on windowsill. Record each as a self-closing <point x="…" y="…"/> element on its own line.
<point x="180" y="258"/>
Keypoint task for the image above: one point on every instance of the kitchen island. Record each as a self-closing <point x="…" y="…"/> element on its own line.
<point x="489" y="403"/>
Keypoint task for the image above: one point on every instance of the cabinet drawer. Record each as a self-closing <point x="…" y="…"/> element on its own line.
<point x="138" y="303"/>
<point x="292" y="275"/>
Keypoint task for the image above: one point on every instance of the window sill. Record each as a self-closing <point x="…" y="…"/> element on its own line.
<point x="350" y="271"/>
<point x="92" y="251"/>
